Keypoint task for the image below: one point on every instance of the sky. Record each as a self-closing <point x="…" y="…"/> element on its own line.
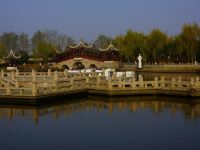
<point x="86" y="19"/>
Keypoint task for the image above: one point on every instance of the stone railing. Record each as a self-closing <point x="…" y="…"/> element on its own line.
<point x="47" y="83"/>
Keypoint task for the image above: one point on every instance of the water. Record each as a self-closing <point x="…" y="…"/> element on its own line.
<point x="103" y="123"/>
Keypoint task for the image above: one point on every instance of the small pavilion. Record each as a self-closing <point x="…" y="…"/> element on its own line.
<point x="12" y="59"/>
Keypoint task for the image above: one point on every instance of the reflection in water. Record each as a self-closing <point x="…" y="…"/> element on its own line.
<point x="189" y="110"/>
<point x="168" y="76"/>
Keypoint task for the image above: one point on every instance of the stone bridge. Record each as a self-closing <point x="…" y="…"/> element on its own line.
<point x="80" y="63"/>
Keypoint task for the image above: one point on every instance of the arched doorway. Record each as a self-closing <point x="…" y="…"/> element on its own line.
<point x="78" y="65"/>
<point x="65" y="67"/>
<point x="93" y="66"/>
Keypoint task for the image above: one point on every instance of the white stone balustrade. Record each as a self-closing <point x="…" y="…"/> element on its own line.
<point x="41" y="83"/>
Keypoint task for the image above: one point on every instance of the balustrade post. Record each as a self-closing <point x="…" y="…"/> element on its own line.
<point x="13" y="75"/>
<point x="114" y="74"/>
<point x="55" y="80"/>
<point x="120" y="83"/>
<point x="155" y="82"/>
<point x="49" y="72"/>
<point x="8" y="90"/>
<point x="33" y="73"/>
<point x="56" y="76"/>
<point x="65" y="72"/>
<point x="2" y="73"/>
<point x="197" y="84"/>
<point x="179" y="82"/>
<point x="103" y="72"/>
<point x="87" y="81"/>
<point x="17" y="72"/>
<point x="192" y="82"/>
<point x="16" y="84"/>
<point x="34" y="89"/>
<point x="173" y="82"/>
<point x="133" y="83"/>
<point x="162" y="81"/>
<point x="141" y="83"/>
<point x="110" y="83"/>
<point x="98" y="82"/>
<point x="72" y="82"/>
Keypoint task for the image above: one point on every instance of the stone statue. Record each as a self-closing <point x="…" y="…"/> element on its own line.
<point x="139" y="61"/>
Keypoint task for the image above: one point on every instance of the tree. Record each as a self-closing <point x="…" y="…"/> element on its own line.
<point x="2" y="50"/>
<point x="157" y="41"/>
<point x="131" y="44"/>
<point x="189" y="41"/>
<point x="59" y="41"/>
<point x="37" y="38"/>
<point x="102" y="41"/>
<point x="44" y="50"/>
<point x="24" y="57"/>
<point x="9" y="39"/>
<point x="23" y="42"/>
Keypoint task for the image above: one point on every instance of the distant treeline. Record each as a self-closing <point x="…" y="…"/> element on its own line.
<point x="156" y="46"/>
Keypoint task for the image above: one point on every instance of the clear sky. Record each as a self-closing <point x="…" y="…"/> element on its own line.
<point x="88" y="18"/>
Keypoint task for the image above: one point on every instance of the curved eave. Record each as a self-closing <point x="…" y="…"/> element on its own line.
<point x="110" y="47"/>
<point x="80" y="45"/>
<point x="12" y="55"/>
<point x="58" y="52"/>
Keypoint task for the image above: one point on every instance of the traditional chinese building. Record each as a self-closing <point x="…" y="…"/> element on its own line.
<point x="88" y="56"/>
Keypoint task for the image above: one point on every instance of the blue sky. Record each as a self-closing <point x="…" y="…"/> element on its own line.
<point x="88" y="18"/>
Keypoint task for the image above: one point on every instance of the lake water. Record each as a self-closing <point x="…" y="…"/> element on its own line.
<point x="166" y="123"/>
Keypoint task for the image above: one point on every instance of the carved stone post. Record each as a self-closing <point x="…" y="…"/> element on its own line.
<point x="16" y="84"/>
<point x="155" y="82"/>
<point x="109" y="83"/>
<point x="49" y="72"/>
<point x="162" y="81"/>
<point x="87" y="81"/>
<point x="65" y="72"/>
<point x="33" y="73"/>
<point x="12" y="75"/>
<point x="72" y="82"/>
<point x="141" y="82"/>
<point x="120" y="83"/>
<point x="192" y="81"/>
<point x="55" y="80"/>
<point x="8" y="91"/>
<point x="173" y="82"/>
<point x="197" y="84"/>
<point x="179" y="82"/>
<point x="2" y="73"/>
<point x="17" y="72"/>
<point x="98" y="82"/>
<point x="34" y="89"/>
<point x="133" y="83"/>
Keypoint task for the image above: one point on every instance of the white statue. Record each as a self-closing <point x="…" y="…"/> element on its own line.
<point x="139" y="61"/>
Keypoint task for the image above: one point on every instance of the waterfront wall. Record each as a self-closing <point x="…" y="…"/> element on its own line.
<point x="34" y="85"/>
<point x="169" y="68"/>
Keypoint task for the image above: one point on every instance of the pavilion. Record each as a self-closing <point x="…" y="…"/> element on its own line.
<point x="87" y="56"/>
<point x="12" y="59"/>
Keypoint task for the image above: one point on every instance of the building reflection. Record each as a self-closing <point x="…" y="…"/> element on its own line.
<point x="189" y="110"/>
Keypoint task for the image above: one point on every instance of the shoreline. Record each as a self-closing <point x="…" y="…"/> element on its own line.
<point x="42" y="87"/>
<point x="58" y="97"/>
